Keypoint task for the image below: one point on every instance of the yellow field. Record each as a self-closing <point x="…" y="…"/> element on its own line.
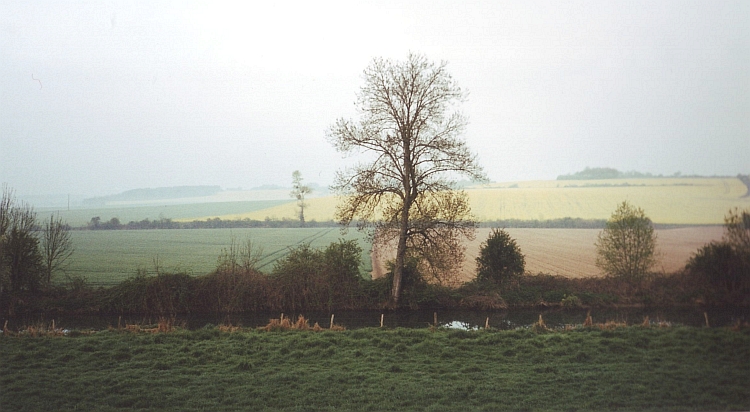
<point x="571" y="252"/>
<point x="671" y="201"/>
<point x="665" y="200"/>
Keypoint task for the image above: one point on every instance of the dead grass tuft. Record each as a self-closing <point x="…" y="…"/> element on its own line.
<point x="163" y="325"/>
<point x="740" y="325"/>
<point x="228" y="328"/>
<point x="589" y="321"/>
<point x="284" y="324"/>
<point x="36" y="330"/>
<point x="540" y="325"/>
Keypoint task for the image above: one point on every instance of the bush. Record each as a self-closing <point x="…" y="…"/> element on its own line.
<point x="341" y="261"/>
<point x="298" y="279"/>
<point x="570" y="301"/>
<point x="500" y="259"/>
<point x="722" y="269"/>
<point x="625" y="248"/>
<point x="231" y="292"/>
<point x="721" y="272"/>
<point x="163" y="294"/>
<point x="309" y="278"/>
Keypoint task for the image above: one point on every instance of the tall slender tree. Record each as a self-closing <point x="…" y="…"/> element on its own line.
<point x="298" y="192"/>
<point x="410" y="126"/>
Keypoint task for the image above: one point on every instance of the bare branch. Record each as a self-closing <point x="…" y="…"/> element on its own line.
<point x="408" y="121"/>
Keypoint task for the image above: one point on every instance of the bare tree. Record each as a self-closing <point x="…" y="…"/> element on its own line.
<point x="299" y="191"/>
<point x="20" y="260"/>
<point x="407" y="191"/>
<point x="6" y="202"/>
<point x="56" y="245"/>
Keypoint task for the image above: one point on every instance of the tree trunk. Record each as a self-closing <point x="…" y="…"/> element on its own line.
<point x="398" y="269"/>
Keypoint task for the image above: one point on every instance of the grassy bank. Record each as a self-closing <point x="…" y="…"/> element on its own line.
<point x="630" y="368"/>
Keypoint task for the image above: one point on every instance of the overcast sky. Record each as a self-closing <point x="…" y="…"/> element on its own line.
<point x="104" y="96"/>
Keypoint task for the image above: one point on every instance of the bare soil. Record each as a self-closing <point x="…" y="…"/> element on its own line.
<point x="571" y="252"/>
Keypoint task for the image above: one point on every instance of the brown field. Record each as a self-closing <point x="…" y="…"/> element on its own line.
<point x="571" y="252"/>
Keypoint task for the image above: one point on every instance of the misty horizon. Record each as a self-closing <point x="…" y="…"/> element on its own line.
<point x="99" y="99"/>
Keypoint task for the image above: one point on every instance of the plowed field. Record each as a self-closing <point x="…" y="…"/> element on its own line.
<point x="571" y="252"/>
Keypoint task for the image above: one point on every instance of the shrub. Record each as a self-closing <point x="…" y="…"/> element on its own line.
<point x="341" y="261"/>
<point x="298" y="279"/>
<point x="500" y="259"/>
<point x="721" y="272"/>
<point x="570" y="301"/>
<point x="625" y="248"/>
<point x="163" y="294"/>
<point x="232" y="292"/>
<point x="722" y="269"/>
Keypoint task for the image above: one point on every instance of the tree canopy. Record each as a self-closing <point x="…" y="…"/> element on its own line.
<point x="626" y="247"/>
<point x="410" y="126"/>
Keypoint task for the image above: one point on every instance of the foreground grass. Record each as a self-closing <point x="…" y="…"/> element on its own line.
<point x="631" y="368"/>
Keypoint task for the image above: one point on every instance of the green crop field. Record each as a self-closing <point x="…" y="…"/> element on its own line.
<point x="77" y="217"/>
<point x="106" y="257"/>
<point x="692" y="201"/>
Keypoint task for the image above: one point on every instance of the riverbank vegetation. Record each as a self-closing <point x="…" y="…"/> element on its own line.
<point x="602" y="367"/>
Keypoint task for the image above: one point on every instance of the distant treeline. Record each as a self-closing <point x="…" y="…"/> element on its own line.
<point x="159" y="193"/>
<point x="96" y="223"/>
<point x="564" y="223"/>
<point x="596" y="173"/>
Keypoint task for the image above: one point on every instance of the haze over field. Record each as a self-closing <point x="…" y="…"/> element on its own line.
<point x="99" y="98"/>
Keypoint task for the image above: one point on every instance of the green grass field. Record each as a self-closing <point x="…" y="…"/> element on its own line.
<point x="78" y="217"/>
<point x="633" y="368"/>
<point x="106" y="257"/>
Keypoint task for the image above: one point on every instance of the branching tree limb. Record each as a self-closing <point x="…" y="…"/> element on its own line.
<point x="406" y="194"/>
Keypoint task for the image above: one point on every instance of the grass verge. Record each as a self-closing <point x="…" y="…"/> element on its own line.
<point x="623" y="368"/>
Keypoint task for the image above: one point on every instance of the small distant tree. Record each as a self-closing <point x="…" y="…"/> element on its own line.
<point x="626" y="247"/>
<point x="298" y="192"/>
<point x="94" y="222"/>
<point x="56" y="246"/>
<point x="500" y="259"/>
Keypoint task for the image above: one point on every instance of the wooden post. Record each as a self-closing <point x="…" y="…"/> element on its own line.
<point x="381" y="319"/>
<point x="119" y="325"/>
<point x="331" y="322"/>
<point x="705" y="315"/>
<point x="487" y="323"/>
<point x="434" y="317"/>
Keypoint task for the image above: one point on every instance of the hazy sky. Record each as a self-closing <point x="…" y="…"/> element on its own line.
<point x="103" y="96"/>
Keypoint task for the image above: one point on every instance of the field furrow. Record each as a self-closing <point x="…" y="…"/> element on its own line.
<point x="571" y="252"/>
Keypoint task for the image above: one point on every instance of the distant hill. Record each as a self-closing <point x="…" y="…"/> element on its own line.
<point x="159" y="193"/>
<point x="598" y="173"/>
